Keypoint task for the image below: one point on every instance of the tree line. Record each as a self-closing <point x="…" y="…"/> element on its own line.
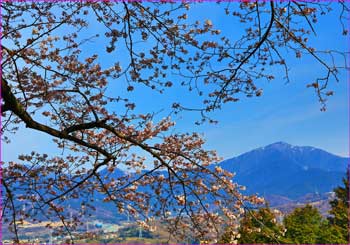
<point x="304" y="225"/>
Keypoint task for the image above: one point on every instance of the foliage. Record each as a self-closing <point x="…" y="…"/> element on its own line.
<point x="256" y="227"/>
<point x="260" y="227"/>
<point x="69" y="71"/>
<point x="329" y="234"/>
<point x="303" y="225"/>
<point x="340" y="216"/>
<point x="306" y="225"/>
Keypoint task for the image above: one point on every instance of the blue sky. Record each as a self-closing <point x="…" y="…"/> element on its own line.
<point x="290" y="112"/>
<point x="286" y="112"/>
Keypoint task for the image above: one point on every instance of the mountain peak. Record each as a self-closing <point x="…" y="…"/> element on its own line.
<point x="279" y="145"/>
<point x="273" y="169"/>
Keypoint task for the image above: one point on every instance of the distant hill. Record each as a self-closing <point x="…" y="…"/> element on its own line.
<point x="288" y="171"/>
<point x="286" y="175"/>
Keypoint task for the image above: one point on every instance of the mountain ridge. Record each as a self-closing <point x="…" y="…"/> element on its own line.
<point x="284" y="174"/>
<point x="291" y="171"/>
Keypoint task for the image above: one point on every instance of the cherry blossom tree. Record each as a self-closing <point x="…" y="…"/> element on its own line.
<point x="82" y="99"/>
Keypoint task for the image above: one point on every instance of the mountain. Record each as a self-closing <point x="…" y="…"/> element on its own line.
<point x="286" y="175"/>
<point x="281" y="169"/>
